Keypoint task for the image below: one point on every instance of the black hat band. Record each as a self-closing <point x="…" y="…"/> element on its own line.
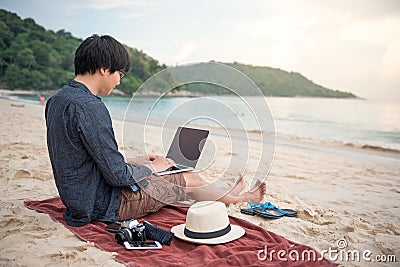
<point x="207" y="235"/>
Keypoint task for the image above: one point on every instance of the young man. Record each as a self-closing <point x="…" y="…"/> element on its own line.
<point x="91" y="175"/>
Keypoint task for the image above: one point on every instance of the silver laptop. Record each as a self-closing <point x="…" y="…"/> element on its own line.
<point x="185" y="149"/>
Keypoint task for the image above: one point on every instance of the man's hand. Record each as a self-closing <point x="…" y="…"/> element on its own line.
<point x="159" y="164"/>
<point x="153" y="162"/>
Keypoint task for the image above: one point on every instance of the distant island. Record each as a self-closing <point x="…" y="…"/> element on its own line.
<point x="33" y="58"/>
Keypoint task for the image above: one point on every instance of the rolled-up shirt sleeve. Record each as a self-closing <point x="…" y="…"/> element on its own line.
<point x="96" y="132"/>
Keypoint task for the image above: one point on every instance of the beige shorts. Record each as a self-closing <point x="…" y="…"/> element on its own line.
<point x="160" y="191"/>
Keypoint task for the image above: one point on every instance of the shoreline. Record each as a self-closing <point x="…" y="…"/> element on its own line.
<point x="174" y="93"/>
<point x="368" y="147"/>
<point x="333" y="147"/>
<point x="284" y="139"/>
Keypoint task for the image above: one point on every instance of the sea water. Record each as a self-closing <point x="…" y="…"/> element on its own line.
<point x="356" y="122"/>
<point x="348" y="121"/>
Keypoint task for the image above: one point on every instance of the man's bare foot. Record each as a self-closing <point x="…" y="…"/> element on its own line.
<point x="239" y="186"/>
<point x="256" y="195"/>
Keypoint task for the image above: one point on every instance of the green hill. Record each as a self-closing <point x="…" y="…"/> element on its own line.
<point x="277" y="82"/>
<point x="33" y="58"/>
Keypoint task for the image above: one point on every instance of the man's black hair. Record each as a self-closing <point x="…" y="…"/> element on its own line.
<point x="101" y="51"/>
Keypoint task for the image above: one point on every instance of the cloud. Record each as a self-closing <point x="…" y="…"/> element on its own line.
<point x="391" y="59"/>
<point x="107" y="4"/>
<point x="346" y="45"/>
<point x="372" y="32"/>
<point x="131" y="16"/>
<point x="185" y="52"/>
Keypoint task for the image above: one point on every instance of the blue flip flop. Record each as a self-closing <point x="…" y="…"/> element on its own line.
<point x="250" y="211"/>
<point x="260" y="209"/>
<point x="267" y="208"/>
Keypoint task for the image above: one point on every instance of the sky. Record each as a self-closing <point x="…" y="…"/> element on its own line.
<point x="347" y="45"/>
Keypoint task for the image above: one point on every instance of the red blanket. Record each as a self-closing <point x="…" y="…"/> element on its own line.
<point x="257" y="247"/>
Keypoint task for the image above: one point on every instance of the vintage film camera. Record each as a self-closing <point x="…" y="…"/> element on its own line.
<point x="132" y="232"/>
<point x="135" y="235"/>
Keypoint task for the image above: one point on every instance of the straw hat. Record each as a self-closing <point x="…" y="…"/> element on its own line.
<point x="207" y="222"/>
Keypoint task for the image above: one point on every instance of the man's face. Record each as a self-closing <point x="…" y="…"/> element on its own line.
<point x="110" y="81"/>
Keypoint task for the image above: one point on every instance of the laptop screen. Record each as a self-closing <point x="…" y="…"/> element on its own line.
<point x="187" y="145"/>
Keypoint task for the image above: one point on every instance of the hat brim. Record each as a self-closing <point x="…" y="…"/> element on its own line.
<point x="235" y="233"/>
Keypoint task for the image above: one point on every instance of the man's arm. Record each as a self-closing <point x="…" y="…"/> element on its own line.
<point x="97" y="134"/>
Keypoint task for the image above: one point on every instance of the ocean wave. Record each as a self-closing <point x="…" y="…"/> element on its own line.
<point x="379" y="148"/>
<point x="28" y="99"/>
<point x="317" y="141"/>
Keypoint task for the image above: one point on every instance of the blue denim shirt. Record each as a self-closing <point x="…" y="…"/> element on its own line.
<point x="88" y="169"/>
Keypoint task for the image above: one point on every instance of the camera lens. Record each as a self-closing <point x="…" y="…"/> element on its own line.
<point x="123" y="235"/>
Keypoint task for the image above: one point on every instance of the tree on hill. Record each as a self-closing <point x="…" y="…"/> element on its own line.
<point x="277" y="82"/>
<point x="33" y="58"/>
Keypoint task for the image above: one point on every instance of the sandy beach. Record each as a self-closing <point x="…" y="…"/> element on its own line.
<point x="341" y="193"/>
